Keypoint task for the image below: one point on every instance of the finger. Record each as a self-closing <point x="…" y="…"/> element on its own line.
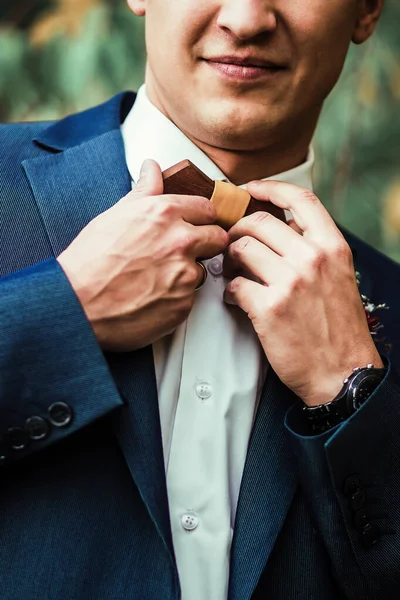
<point x="246" y="294"/>
<point x="308" y="212"/>
<point x="253" y="256"/>
<point x="195" y="210"/>
<point x="150" y="181"/>
<point x="270" y="231"/>
<point x="208" y="241"/>
<point x="293" y="225"/>
<point x="202" y="274"/>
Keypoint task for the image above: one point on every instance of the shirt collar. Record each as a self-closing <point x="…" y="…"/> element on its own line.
<point x="148" y="133"/>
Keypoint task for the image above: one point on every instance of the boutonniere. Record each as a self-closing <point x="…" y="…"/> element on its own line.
<point x="374" y="322"/>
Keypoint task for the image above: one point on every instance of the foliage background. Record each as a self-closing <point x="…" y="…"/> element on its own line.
<point x="59" y="56"/>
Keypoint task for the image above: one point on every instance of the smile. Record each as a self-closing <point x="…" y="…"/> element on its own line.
<point x="244" y="72"/>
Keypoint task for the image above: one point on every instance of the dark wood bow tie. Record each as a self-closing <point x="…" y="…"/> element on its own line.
<point x="231" y="202"/>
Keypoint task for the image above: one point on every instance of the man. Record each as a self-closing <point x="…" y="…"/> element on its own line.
<point x="168" y="435"/>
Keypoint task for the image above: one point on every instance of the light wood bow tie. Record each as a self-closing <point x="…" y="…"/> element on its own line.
<point x="231" y="202"/>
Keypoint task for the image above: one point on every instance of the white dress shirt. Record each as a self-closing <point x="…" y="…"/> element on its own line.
<point x="210" y="374"/>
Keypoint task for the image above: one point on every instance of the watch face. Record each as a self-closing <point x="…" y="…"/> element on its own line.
<point x="357" y="389"/>
<point x="364" y="385"/>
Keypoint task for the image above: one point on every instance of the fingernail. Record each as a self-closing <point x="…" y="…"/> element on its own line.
<point x="227" y="298"/>
<point x="145" y="168"/>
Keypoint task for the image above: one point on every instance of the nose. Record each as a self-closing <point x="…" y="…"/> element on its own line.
<point x="247" y="19"/>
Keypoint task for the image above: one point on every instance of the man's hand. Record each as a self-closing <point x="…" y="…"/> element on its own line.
<point x="133" y="267"/>
<point x="306" y="307"/>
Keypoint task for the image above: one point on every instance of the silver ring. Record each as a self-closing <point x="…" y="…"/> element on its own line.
<point x="204" y="276"/>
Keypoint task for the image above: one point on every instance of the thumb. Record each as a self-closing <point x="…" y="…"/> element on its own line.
<point x="150" y="181"/>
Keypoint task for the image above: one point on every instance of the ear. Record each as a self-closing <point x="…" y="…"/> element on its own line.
<point x="138" y="7"/>
<point x="368" y="13"/>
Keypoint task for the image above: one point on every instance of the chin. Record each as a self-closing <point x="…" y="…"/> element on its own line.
<point x="224" y="137"/>
<point x="234" y="129"/>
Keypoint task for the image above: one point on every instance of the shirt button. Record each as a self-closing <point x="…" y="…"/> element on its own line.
<point x="203" y="390"/>
<point x="215" y="266"/>
<point x="190" y="521"/>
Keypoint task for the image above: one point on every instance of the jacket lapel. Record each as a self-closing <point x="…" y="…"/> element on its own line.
<point x="268" y="485"/>
<point x="74" y="186"/>
<point x="83" y="175"/>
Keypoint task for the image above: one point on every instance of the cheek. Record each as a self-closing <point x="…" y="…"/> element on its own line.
<point x="173" y="27"/>
<point x="309" y="16"/>
<point x="323" y="34"/>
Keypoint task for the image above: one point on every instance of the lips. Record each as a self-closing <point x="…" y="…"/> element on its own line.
<point x="246" y="61"/>
<point x="244" y="68"/>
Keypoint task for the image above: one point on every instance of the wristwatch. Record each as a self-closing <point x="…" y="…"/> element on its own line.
<point x="357" y="388"/>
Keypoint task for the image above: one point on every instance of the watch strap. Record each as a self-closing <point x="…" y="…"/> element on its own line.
<point x="352" y="395"/>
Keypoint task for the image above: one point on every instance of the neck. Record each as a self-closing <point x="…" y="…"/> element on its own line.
<point x="285" y="150"/>
<point x="242" y="167"/>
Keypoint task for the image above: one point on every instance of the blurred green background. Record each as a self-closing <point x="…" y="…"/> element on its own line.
<point x="60" y="56"/>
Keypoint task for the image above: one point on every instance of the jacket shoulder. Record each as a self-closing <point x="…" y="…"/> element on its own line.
<point x="369" y="256"/>
<point x="16" y="141"/>
<point x="381" y="277"/>
<point x="22" y="239"/>
<point x="16" y="145"/>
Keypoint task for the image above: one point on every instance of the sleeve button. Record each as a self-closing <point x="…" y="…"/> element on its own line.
<point x="362" y="518"/>
<point x="37" y="428"/>
<point x="60" y="414"/>
<point x="370" y="535"/>
<point x="18" y="438"/>
<point x="4" y="448"/>
<point x="352" y="485"/>
<point x="358" y="500"/>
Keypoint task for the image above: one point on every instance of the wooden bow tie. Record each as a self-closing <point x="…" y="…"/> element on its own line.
<point x="231" y="202"/>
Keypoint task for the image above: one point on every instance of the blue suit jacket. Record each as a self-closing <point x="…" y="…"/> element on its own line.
<point x="84" y="512"/>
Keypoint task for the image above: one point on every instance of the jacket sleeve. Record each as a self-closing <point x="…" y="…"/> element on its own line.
<point x="54" y="379"/>
<point x="351" y="475"/>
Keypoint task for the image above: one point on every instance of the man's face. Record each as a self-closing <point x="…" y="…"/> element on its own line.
<point x="240" y="74"/>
